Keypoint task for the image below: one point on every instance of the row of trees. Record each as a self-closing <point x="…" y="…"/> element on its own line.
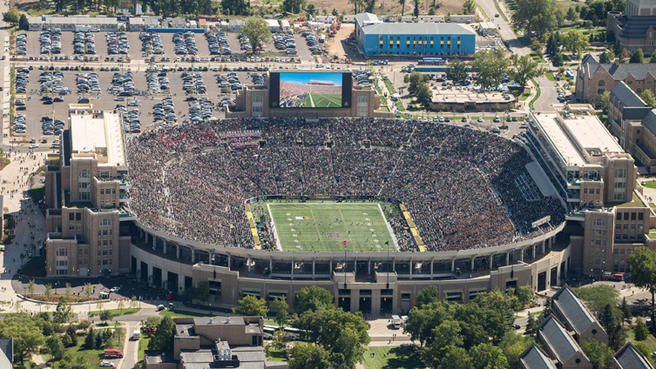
<point x="493" y="67"/>
<point x="477" y="335"/>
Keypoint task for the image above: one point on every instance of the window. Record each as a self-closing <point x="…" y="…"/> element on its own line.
<point x="71" y="216"/>
<point x="380" y="42"/>
<point x="106" y="222"/>
<point x="601" y="83"/>
<point x="633" y="216"/>
<point x="62" y="252"/>
<point x="84" y="173"/>
<point x="102" y="191"/>
<point x="78" y="216"/>
<point x="432" y="42"/>
<point x="641" y="216"/>
<point x="620" y="173"/>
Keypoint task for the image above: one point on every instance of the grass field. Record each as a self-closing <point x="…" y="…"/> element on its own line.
<point x="324" y="226"/>
<point x="322" y="100"/>
<point x="392" y="357"/>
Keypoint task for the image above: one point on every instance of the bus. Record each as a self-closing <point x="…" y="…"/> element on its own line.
<point x="431" y="61"/>
<point x="113" y="354"/>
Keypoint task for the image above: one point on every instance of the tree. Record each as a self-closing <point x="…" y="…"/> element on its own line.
<point x="402" y="2"/>
<point x="488" y="356"/>
<point x="422" y="320"/>
<point x="553" y="44"/>
<point x="571" y="16"/>
<point x="492" y="67"/>
<point x="105" y="315"/>
<point x="48" y="291"/>
<point x="90" y="339"/>
<point x="604" y="101"/>
<point x="524" y="294"/>
<point x="531" y="325"/>
<point x="608" y="56"/>
<point x="525" y="69"/>
<point x="280" y="306"/>
<point x="598" y="296"/>
<point x="424" y="95"/>
<point x="162" y="339"/>
<point x="341" y="333"/>
<point x="536" y="17"/>
<point x="257" y="31"/>
<point x="416" y="79"/>
<point x="575" y="41"/>
<point x="231" y="7"/>
<point x="537" y="46"/>
<point x="454" y="358"/>
<point x="56" y="347"/>
<point x="600" y="355"/>
<point x="648" y="97"/>
<point x="72" y="335"/>
<point x="457" y="72"/>
<point x="642" y="263"/>
<point x="311" y="9"/>
<point x="251" y="305"/>
<point x="415" y="11"/>
<point x="637" y="56"/>
<point x="609" y="320"/>
<point x="309" y="356"/>
<point x="23" y="23"/>
<point x="63" y="312"/>
<point x="513" y="345"/>
<point x="557" y="60"/>
<point x="312" y="298"/>
<point x="11" y="16"/>
<point x="626" y="312"/>
<point x="640" y="331"/>
<point x="30" y="287"/>
<point x="653" y="58"/>
<point x="469" y="7"/>
<point x="26" y="333"/>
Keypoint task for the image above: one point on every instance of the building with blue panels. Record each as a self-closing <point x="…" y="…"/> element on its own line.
<point x="375" y="37"/>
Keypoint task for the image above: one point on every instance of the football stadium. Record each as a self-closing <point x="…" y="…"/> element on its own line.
<point x="371" y="209"/>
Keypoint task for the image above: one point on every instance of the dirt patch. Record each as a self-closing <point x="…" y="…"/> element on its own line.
<point x="335" y="45"/>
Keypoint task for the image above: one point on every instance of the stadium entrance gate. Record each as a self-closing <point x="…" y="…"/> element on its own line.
<point x="344" y="303"/>
<point x="365" y="305"/>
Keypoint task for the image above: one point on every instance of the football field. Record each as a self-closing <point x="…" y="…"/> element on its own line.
<point x="322" y="100"/>
<point x="324" y="226"/>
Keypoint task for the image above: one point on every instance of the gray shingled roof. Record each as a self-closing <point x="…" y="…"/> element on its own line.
<point x="630" y="358"/>
<point x="619" y="72"/>
<point x="534" y="358"/>
<point x="366" y="17"/>
<point x="561" y="343"/>
<point x="649" y="121"/>
<point x="636" y="27"/>
<point x="418" y="29"/>
<point x="573" y="310"/>
<point x="627" y="96"/>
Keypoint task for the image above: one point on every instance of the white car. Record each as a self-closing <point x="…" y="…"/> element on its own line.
<point x="114" y="289"/>
<point x="107" y="364"/>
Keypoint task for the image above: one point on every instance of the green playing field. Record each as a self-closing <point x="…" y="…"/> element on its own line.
<point x="324" y="226"/>
<point x="322" y="100"/>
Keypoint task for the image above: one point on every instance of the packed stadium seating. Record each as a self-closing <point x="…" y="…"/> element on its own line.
<point x="460" y="185"/>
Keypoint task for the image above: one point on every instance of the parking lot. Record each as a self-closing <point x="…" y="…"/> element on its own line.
<point x="34" y="47"/>
<point x="142" y="101"/>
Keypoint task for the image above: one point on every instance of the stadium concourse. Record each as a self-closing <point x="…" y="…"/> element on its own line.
<point x="463" y="188"/>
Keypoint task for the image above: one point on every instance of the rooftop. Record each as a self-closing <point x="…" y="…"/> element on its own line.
<point x="576" y="133"/>
<point x="98" y="135"/>
<point x="561" y="343"/>
<point x="534" y="358"/>
<point x="231" y="320"/>
<point x="628" y="357"/>
<point x="573" y="309"/>
<point x="394" y="28"/>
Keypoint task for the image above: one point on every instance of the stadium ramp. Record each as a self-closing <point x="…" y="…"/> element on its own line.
<point x="413" y="228"/>
<point x="251" y="224"/>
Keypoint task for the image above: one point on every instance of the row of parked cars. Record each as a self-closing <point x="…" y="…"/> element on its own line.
<point x="199" y="109"/>
<point x="50" y="42"/>
<point x="151" y="43"/>
<point x="285" y="41"/>
<point x="51" y="126"/>
<point x="218" y="43"/>
<point x="117" y="43"/>
<point x="123" y="85"/>
<point x="363" y="78"/>
<point x="312" y="42"/>
<point x="157" y="82"/>
<point x="22" y="78"/>
<point x="231" y="80"/>
<point x="185" y="43"/>
<point x="131" y="122"/>
<point x="87" y="82"/>
<point x="193" y="83"/>
<point x="245" y="43"/>
<point x="164" y="111"/>
<point x="21" y="44"/>
<point x="52" y="83"/>
<point x="19" y="122"/>
<point x="84" y="43"/>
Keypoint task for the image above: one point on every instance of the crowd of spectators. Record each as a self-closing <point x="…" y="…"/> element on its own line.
<point x="191" y="180"/>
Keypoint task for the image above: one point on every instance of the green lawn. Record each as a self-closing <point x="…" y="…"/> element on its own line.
<point x="650" y="184"/>
<point x="537" y="94"/>
<point x="650" y="342"/>
<point x="277" y="355"/>
<point x="386" y="357"/>
<point x="116" y="312"/>
<point x="324" y="226"/>
<point x="143" y="345"/>
<point x="91" y="358"/>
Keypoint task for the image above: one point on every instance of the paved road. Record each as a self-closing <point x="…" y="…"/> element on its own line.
<point x="505" y="31"/>
<point x="548" y="95"/>
<point x="131" y="349"/>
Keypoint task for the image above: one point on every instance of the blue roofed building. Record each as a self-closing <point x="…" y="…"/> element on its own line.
<point x="375" y="37"/>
